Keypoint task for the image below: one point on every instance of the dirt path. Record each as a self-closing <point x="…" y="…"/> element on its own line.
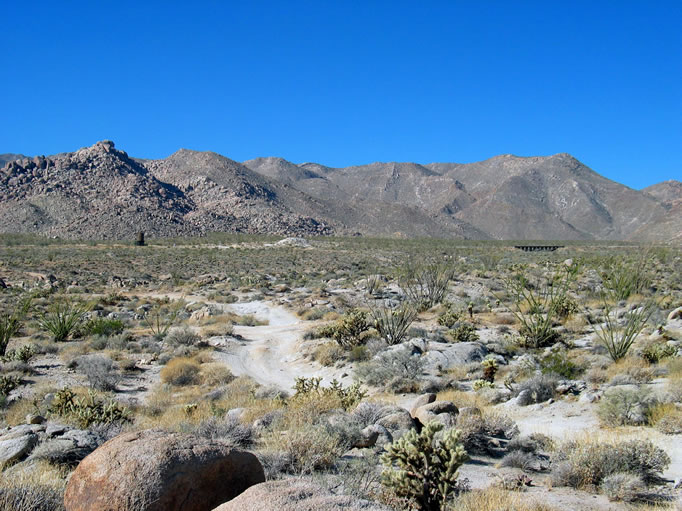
<point x="270" y="354"/>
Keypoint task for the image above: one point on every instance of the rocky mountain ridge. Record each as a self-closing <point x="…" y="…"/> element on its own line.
<point x="101" y="192"/>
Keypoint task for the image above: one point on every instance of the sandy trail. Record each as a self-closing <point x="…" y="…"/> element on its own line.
<point x="270" y="354"/>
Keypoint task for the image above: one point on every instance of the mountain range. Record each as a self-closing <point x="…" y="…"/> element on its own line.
<point x="100" y="192"/>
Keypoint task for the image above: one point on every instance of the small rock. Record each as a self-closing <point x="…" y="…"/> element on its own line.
<point x="422" y="400"/>
<point x="14" y="449"/>
<point x="675" y="314"/>
<point x="33" y="418"/>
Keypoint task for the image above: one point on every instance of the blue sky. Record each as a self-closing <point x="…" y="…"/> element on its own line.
<point x="350" y="82"/>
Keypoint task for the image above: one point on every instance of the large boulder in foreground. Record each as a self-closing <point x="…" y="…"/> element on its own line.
<point x="158" y="471"/>
<point x="295" y="495"/>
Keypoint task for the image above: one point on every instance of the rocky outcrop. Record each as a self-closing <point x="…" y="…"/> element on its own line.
<point x="295" y="495"/>
<point x="153" y="470"/>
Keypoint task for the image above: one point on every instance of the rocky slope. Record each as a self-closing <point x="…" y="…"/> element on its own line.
<point x="100" y="192"/>
<point x="505" y="197"/>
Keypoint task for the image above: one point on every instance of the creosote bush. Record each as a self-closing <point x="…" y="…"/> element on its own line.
<point x="423" y="467"/>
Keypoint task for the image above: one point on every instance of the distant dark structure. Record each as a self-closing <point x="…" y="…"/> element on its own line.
<point x="139" y="241"/>
<point x="538" y="248"/>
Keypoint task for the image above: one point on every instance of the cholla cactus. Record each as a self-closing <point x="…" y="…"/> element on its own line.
<point x="489" y="369"/>
<point x="423" y="466"/>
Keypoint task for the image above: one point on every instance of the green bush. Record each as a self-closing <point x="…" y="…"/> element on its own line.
<point x="557" y="363"/>
<point x="104" y="326"/>
<point x="656" y="352"/>
<point x="423" y="467"/>
<point x="389" y="365"/>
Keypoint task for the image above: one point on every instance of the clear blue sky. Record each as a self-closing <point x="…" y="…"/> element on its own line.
<point x="350" y="82"/>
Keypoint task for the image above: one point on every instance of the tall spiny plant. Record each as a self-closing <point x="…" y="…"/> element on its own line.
<point x="422" y="467"/>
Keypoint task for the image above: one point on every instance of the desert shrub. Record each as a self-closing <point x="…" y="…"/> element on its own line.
<point x="498" y="499"/>
<point x="393" y="324"/>
<point x="541" y="388"/>
<point x="22" y="354"/>
<point x="89" y="409"/>
<point x="216" y="374"/>
<point x="464" y="332"/>
<point x="99" y="370"/>
<point x="350" y="330"/>
<point x="624" y="406"/>
<point x="449" y="318"/>
<point x="328" y="353"/>
<point x="305" y="449"/>
<point x="387" y="365"/>
<point x="349" y="397"/>
<point x="359" y="353"/>
<point x="31" y="497"/>
<point x="226" y="429"/>
<point x="103" y="326"/>
<point x="557" y="363"/>
<point x="656" y="352"/>
<point x="159" y="319"/>
<point x="622" y="486"/>
<point x="423" y="467"/>
<point x="478" y="432"/>
<point x="519" y="459"/>
<point x="249" y="320"/>
<point x="535" y="306"/>
<point x="8" y="382"/>
<point x="181" y="371"/>
<point x="63" y="319"/>
<point x="182" y="337"/>
<point x="565" y="306"/>
<point x="10" y="323"/>
<point x="666" y="418"/>
<point x="625" y="278"/>
<point x="426" y="285"/>
<point x="586" y="463"/>
<point x="368" y="413"/>
<point x="619" y="339"/>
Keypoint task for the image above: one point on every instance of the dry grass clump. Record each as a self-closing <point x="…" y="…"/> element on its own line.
<point x="630" y="370"/>
<point x="40" y="488"/>
<point x="328" y="353"/>
<point x="214" y="374"/>
<point x="181" y="371"/>
<point x="497" y="499"/>
<point x="666" y="418"/>
<point x="305" y="449"/>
